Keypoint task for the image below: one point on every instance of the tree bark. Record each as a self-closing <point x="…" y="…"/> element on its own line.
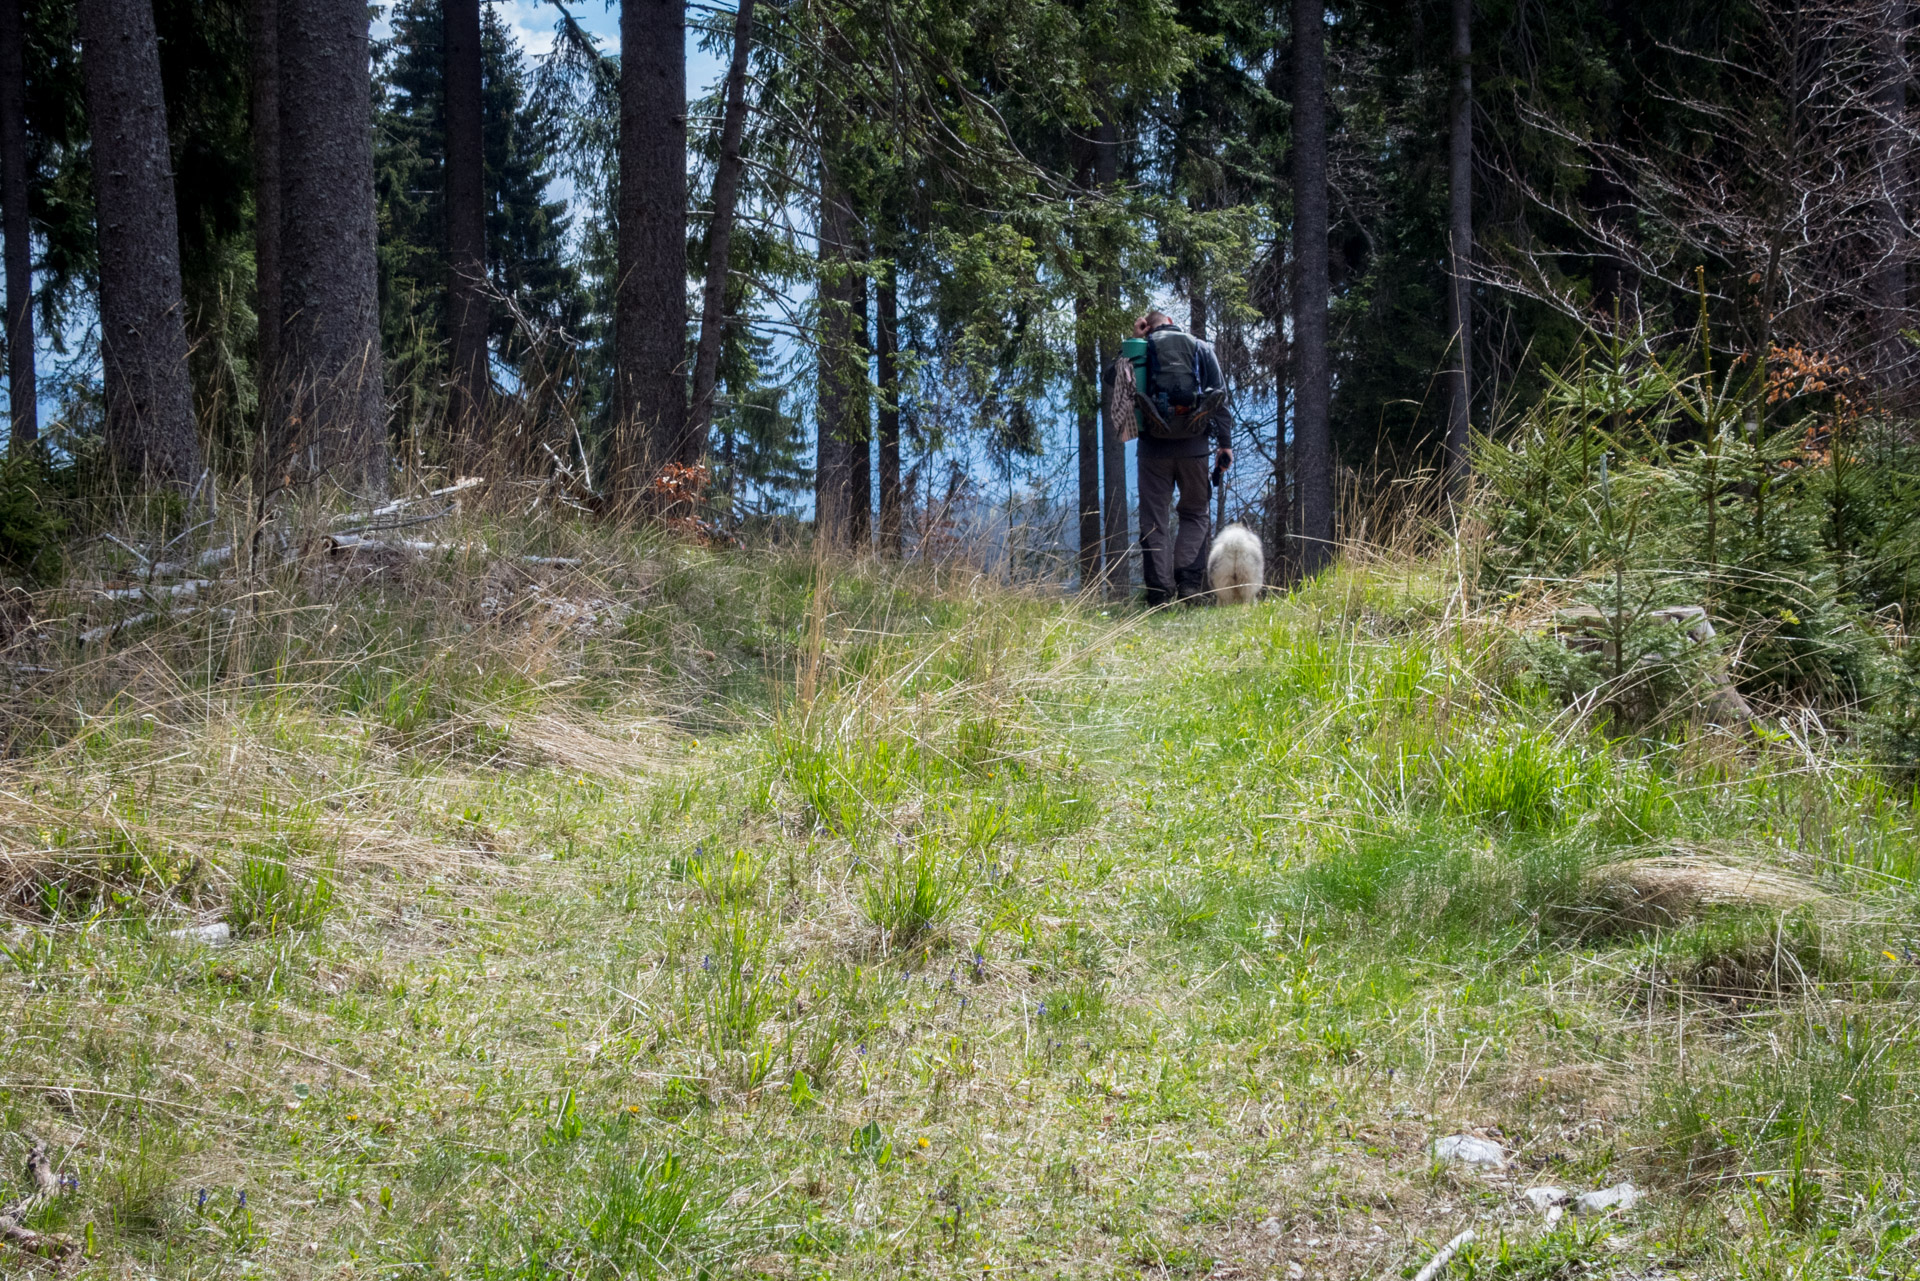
<point x="886" y="332"/>
<point x="334" y="395"/>
<point x="470" y="384"/>
<point x="1086" y="408"/>
<point x="726" y="195"/>
<point x="1460" y="249"/>
<point x="265" y="128"/>
<point x="1280" y="563"/>
<point x="859" y="418"/>
<point x="1117" y="563"/>
<point x="22" y="390"/>
<point x="832" y="473"/>
<point x="650" y="299"/>
<point x="1313" y="448"/>
<point x="143" y="336"/>
<point x="1197" y="326"/>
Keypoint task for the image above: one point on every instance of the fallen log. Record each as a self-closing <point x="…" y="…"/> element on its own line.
<point x="163" y="590"/>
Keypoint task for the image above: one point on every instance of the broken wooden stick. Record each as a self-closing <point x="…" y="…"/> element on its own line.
<point x="46" y="1186"/>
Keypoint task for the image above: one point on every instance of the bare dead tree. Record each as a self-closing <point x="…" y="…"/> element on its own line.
<point x="1792" y="185"/>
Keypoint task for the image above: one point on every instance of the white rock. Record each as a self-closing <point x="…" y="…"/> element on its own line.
<point x="1465" y="1149"/>
<point x="1621" y="1196"/>
<point x="1272" y="1227"/>
<point x="215" y="935"/>
<point x="1545" y="1198"/>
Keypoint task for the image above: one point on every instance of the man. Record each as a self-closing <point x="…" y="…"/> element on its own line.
<point x="1185" y="419"/>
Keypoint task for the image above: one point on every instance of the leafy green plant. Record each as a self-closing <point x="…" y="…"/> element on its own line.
<point x="139" y="1182"/>
<point x="1894" y="730"/>
<point x="870" y="1143"/>
<point x="1082" y="1001"/>
<point x="845" y="783"/>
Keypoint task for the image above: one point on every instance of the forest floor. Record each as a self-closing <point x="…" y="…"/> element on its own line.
<point x="920" y="927"/>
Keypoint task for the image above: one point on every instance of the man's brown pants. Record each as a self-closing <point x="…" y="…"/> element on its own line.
<point x="1174" y="565"/>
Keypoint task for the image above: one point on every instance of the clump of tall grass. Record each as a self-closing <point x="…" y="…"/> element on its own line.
<point x="911" y="891"/>
<point x="647" y="1218"/>
<point x="274" y="893"/>
<point x="1526" y="779"/>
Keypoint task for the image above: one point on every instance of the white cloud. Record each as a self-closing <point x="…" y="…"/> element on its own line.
<point x="532" y="21"/>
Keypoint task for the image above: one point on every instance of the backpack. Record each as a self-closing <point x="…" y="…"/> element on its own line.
<point x="1173" y="370"/>
<point x="1171" y="383"/>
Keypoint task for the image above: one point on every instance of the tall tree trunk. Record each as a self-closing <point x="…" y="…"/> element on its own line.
<point x="1888" y="287"/>
<point x="1280" y="516"/>
<point x="886" y="332"/>
<point x="650" y="300"/>
<point x="265" y="129"/>
<point x="1086" y="408"/>
<point x="860" y="424"/>
<point x="1117" y="563"/>
<point x="1197" y="326"/>
<point x="1313" y="447"/>
<point x="726" y="195"/>
<point x="143" y="336"/>
<point x="832" y="472"/>
<point x="329" y="286"/>
<point x="1460" y="248"/>
<point x="1280" y="563"/>
<point x="467" y="310"/>
<point x="22" y="392"/>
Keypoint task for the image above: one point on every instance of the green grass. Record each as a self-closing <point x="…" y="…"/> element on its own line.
<point x="1031" y="940"/>
<point x="273" y="893"/>
<point x="911" y="891"/>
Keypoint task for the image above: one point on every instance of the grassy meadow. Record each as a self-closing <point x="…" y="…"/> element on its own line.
<point x="676" y="912"/>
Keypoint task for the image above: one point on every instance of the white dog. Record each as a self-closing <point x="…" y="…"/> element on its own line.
<point x="1236" y="566"/>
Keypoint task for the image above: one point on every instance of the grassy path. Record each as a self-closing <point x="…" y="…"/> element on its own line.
<point x="1035" y="942"/>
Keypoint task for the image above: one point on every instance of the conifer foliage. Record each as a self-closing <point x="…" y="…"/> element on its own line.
<point x="871" y="266"/>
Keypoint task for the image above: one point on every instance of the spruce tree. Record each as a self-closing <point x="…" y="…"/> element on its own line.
<point x="333" y="401"/>
<point x="650" y="310"/>
<point x="17" y="322"/>
<point x="464" y="203"/>
<point x="143" y="338"/>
